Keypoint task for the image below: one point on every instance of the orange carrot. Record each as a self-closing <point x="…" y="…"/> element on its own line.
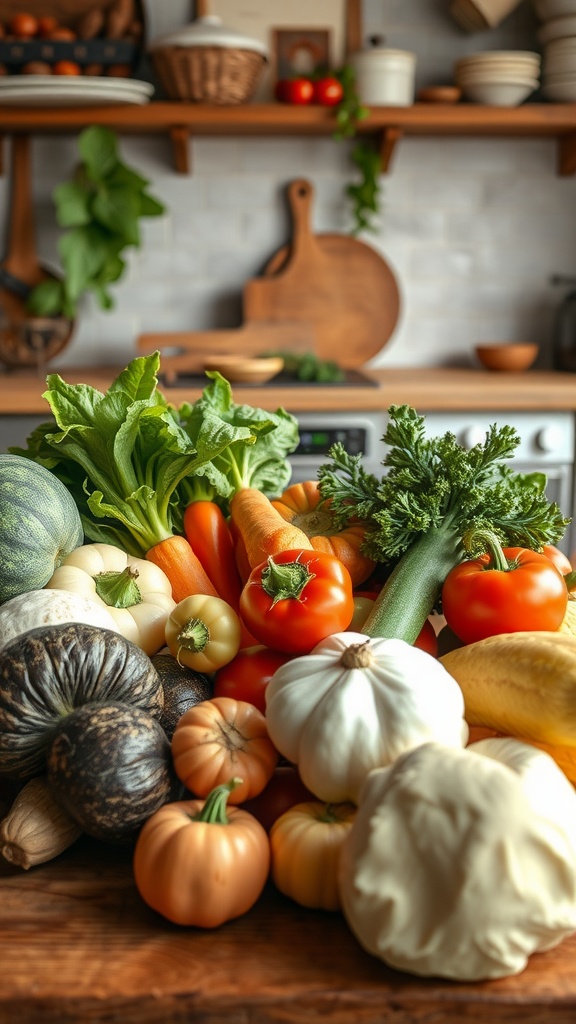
<point x="263" y="530"/>
<point x="208" y="534"/>
<point x="182" y="567"/>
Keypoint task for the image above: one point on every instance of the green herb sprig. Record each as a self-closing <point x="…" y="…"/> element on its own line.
<point x="365" y="193"/>
<point x="101" y="206"/>
<point x="418" y="514"/>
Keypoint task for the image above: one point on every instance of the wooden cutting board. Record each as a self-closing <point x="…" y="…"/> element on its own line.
<point x="341" y="286"/>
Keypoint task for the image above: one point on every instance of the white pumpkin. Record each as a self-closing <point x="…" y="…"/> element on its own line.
<point x="48" y="608"/>
<point x="357" y="703"/>
<point x="462" y="863"/>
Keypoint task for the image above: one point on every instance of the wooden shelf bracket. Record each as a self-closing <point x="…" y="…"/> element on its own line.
<point x="567" y="154"/>
<point x="180" y="138"/>
<point x="388" y="141"/>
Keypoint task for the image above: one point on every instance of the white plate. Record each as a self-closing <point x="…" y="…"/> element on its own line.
<point x="71" y="91"/>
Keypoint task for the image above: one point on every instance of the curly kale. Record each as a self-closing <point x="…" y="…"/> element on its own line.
<point x="432" y="494"/>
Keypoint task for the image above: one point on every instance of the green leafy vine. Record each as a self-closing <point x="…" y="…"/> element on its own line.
<point x="100" y="207"/>
<point x="364" y="193"/>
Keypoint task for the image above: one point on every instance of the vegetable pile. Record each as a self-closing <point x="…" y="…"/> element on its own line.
<point x="245" y="679"/>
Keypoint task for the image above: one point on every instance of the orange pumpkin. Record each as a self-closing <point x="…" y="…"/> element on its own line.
<point x="301" y="505"/>
<point x="197" y="862"/>
<point x="221" y="738"/>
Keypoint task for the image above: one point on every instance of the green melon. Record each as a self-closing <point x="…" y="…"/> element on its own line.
<point x="39" y="525"/>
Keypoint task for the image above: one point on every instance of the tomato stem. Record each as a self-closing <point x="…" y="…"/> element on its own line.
<point x="480" y="535"/>
<point x="214" y="808"/>
<point x="285" y="581"/>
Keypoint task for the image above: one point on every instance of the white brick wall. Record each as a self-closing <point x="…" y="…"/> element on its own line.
<point x="473" y="227"/>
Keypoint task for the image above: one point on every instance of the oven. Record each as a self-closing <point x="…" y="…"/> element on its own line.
<point x="547" y="445"/>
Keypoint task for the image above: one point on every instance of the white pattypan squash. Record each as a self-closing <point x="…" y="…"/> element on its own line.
<point x="356" y="703"/>
<point x="462" y="863"/>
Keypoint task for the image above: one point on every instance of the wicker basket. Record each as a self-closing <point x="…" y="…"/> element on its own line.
<point x="208" y="74"/>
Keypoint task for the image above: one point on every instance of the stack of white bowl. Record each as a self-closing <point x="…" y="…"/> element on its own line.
<point x="479" y="15"/>
<point x="499" y="78"/>
<point x="557" y="36"/>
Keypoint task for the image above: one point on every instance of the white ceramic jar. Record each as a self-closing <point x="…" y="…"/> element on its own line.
<point x="384" y="76"/>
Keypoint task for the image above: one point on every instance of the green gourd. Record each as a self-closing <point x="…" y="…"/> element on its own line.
<point x="40" y="525"/>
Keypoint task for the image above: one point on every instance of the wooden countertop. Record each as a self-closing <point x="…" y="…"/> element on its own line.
<point x="426" y="389"/>
<point x="78" y="945"/>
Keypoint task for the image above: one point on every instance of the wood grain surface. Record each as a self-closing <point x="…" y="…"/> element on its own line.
<point x="77" y="944"/>
<point x="341" y="286"/>
<point x="427" y="389"/>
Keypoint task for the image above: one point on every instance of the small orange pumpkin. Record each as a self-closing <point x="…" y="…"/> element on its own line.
<point x="301" y="505"/>
<point x="223" y="738"/>
<point x="199" y="863"/>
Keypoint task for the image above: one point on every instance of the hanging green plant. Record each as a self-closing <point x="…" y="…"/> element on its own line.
<point x="364" y="193"/>
<point x="101" y="206"/>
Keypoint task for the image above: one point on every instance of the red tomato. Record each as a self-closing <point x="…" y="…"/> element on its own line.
<point x="248" y="674"/>
<point x="426" y="639"/>
<point x="47" y="25"/>
<point x="328" y="91"/>
<point x="294" y="90"/>
<point x="294" y="614"/>
<point x="560" y="560"/>
<point x="67" y="67"/>
<point x="478" y="602"/>
<point x="23" y="25"/>
<point x="283" y="791"/>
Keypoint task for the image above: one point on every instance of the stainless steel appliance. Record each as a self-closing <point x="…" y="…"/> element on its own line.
<point x="547" y="445"/>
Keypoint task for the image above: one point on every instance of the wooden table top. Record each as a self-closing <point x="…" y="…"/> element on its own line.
<point x="77" y="944"/>
<point x="427" y="389"/>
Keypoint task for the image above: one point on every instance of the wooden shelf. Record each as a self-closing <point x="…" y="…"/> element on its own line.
<point x="181" y="122"/>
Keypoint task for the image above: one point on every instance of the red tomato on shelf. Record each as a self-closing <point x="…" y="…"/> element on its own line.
<point x="66" y="67"/>
<point x="23" y="25"/>
<point x="328" y="91"/>
<point x="294" y="90"/>
<point x="47" y="25"/>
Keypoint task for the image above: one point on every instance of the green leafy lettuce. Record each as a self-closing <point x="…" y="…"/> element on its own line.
<point x="125" y="455"/>
<point x="260" y="462"/>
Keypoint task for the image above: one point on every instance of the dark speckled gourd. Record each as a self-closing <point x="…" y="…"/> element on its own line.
<point x="48" y="672"/>
<point x="110" y="767"/>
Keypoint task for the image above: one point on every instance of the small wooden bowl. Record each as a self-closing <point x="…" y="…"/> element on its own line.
<point x="440" y="94"/>
<point x="245" y="370"/>
<point x="511" y="356"/>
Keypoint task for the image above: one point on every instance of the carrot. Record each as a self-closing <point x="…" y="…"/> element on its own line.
<point x="182" y="567"/>
<point x="207" y="532"/>
<point x="261" y="527"/>
<point x="209" y="535"/>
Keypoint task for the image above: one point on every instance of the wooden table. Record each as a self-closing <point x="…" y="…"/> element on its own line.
<point x="77" y="944"/>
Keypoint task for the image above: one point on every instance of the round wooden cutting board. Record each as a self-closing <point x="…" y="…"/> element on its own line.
<point x="344" y="288"/>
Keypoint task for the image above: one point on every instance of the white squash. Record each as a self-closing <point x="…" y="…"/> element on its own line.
<point x="135" y="592"/>
<point x="357" y="703"/>
<point x="462" y="863"/>
<point x="48" y="608"/>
